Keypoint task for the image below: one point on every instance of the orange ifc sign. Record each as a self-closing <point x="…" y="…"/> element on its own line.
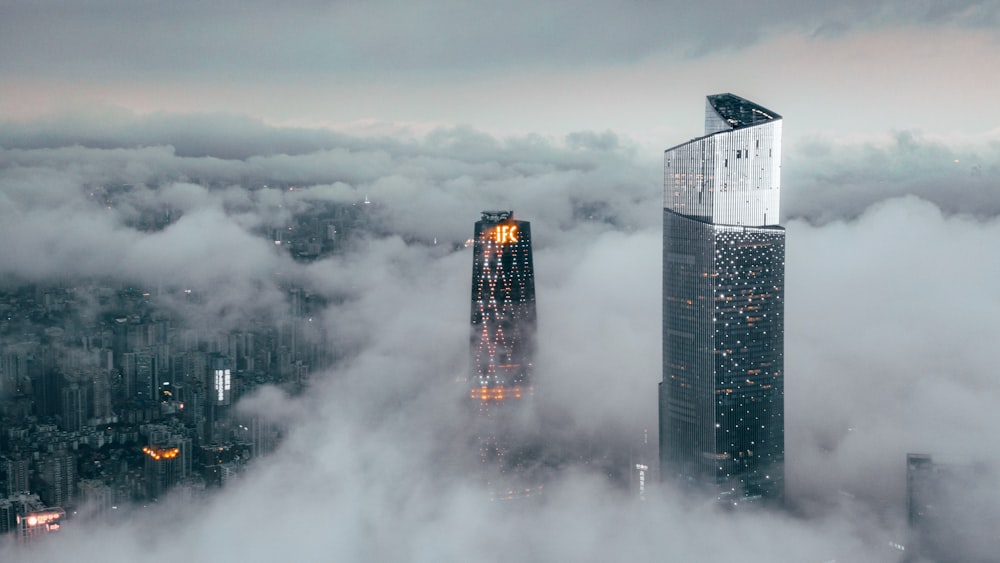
<point x="505" y="234"/>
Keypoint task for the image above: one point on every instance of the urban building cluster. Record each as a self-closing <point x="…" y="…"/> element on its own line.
<point x="109" y="398"/>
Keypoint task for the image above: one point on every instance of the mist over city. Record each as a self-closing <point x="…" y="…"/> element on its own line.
<point x="297" y="202"/>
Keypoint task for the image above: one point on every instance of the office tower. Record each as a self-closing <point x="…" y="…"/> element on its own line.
<point x="96" y="498"/>
<point x="722" y="394"/>
<point x="15" y="506"/>
<point x="34" y="525"/>
<point x="218" y="396"/>
<point x="139" y="374"/>
<point x="162" y="469"/>
<point x="101" y="397"/>
<point x="58" y="476"/>
<point x="145" y="375"/>
<point x="18" y="469"/>
<point x="264" y="436"/>
<point x="221" y="380"/>
<point x="503" y="308"/>
<point x="502" y="346"/>
<point x="951" y="510"/>
<point x="74" y="407"/>
<point x="638" y="467"/>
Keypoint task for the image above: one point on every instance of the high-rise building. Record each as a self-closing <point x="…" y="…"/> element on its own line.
<point x="221" y="380"/>
<point x="18" y="470"/>
<point x="74" y="407"/>
<point x="14" y="506"/>
<point x="166" y="465"/>
<point x="502" y="346"/>
<point x="951" y="510"/>
<point x="503" y="308"/>
<point x="721" y="400"/>
<point x="58" y="478"/>
<point x="218" y="397"/>
<point x="34" y="525"/>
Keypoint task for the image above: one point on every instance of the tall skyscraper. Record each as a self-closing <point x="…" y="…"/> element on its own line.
<point x="502" y="346"/>
<point x="503" y="308"/>
<point x="722" y="394"/>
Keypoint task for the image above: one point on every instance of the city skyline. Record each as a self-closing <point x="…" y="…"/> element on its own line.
<point x="237" y="119"/>
<point x="840" y="444"/>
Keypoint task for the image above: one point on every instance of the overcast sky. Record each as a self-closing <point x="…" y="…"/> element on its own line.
<point x="846" y="68"/>
<point x="560" y="111"/>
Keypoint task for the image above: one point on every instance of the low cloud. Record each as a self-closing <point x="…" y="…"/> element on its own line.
<point x="834" y="180"/>
<point x="888" y="330"/>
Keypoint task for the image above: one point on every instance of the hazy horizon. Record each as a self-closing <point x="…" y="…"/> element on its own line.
<point x="560" y="113"/>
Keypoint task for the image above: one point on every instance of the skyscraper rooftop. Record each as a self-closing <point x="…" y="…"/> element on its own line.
<point x="739" y="112"/>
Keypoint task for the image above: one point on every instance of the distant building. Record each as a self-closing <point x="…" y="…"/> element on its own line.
<point x="503" y="308"/>
<point x="168" y="461"/>
<point x="219" y="395"/>
<point x="162" y="470"/>
<point x="222" y="394"/>
<point x="101" y="396"/>
<point x="14" y="506"/>
<point x="18" y="470"/>
<point x="952" y="511"/>
<point x="33" y="525"/>
<point x="58" y="475"/>
<point x="502" y="342"/>
<point x="264" y="436"/>
<point x="721" y="400"/>
<point x="96" y="498"/>
<point x="74" y="407"/>
<point x="639" y="471"/>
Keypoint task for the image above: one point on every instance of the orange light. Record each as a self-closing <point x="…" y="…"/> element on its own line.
<point x="505" y="234"/>
<point x="46" y="517"/>
<point x="496" y="393"/>
<point x="161" y="453"/>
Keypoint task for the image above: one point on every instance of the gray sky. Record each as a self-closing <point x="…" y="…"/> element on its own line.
<point x="559" y="111"/>
<point x="518" y="67"/>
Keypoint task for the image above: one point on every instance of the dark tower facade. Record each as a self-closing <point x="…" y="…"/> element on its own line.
<point x="503" y="308"/>
<point x="502" y="350"/>
<point x="721" y="401"/>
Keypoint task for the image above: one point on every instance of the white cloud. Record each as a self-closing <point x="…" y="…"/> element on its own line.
<point x="889" y="327"/>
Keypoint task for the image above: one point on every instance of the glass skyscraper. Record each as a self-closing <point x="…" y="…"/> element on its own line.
<point x="502" y="349"/>
<point x="503" y="308"/>
<point x="721" y="401"/>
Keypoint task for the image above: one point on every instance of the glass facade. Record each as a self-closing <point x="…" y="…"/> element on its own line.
<point x="722" y="394"/>
<point x="503" y="307"/>
<point x="502" y="349"/>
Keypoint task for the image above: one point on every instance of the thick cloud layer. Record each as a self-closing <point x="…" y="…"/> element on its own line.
<point x="889" y="316"/>
<point x="835" y="180"/>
